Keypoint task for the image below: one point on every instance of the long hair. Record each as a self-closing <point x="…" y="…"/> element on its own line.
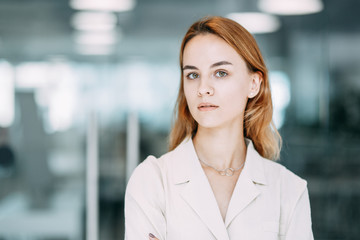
<point x="258" y="124"/>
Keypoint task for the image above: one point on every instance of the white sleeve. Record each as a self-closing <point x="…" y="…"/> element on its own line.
<point x="144" y="203"/>
<point x="295" y="221"/>
<point x="300" y="225"/>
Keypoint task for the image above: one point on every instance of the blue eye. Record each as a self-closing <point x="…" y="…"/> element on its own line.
<point x="192" y="76"/>
<point x="221" y="74"/>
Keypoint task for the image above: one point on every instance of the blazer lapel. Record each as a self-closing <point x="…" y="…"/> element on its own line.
<point x="197" y="192"/>
<point x="244" y="193"/>
<point x="245" y="189"/>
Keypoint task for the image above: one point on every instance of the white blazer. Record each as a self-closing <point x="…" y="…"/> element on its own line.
<point x="171" y="198"/>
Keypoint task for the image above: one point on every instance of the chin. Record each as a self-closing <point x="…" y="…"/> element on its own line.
<point x="208" y="123"/>
<point x="212" y="123"/>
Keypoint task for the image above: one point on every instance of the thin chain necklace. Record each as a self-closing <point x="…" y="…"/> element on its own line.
<point x="225" y="172"/>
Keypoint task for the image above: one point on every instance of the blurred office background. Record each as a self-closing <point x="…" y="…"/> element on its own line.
<point x="87" y="92"/>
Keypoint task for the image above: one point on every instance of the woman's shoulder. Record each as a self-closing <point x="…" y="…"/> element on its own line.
<point x="146" y="185"/>
<point x="278" y="172"/>
<point x="290" y="189"/>
<point x="161" y="164"/>
<point x="274" y="173"/>
<point x="149" y="172"/>
<point x="146" y="172"/>
<point x="155" y="172"/>
<point x="290" y="186"/>
<point x="153" y="164"/>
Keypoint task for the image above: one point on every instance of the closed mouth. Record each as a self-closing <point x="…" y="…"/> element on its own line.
<point x="207" y="106"/>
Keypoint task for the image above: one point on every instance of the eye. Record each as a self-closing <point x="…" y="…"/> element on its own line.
<point x="192" y="76"/>
<point x="221" y="74"/>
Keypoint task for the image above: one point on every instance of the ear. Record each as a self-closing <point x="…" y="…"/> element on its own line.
<point x="255" y="83"/>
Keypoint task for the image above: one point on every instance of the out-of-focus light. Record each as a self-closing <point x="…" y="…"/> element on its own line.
<point x="61" y="109"/>
<point x="6" y="94"/>
<point x="140" y="92"/>
<point x="96" y="43"/>
<point x="256" y="22"/>
<point x="31" y="75"/>
<point x="95" y="38"/>
<point x="280" y="91"/>
<point x="55" y="91"/>
<point x="94" y="21"/>
<point x="58" y="98"/>
<point x="103" y="5"/>
<point x="64" y="163"/>
<point x="291" y="7"/>
<point x="94" y="49"/>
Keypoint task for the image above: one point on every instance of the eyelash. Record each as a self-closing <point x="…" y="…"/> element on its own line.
<point x="221" y="71"/>
<point x="188" y="76"/>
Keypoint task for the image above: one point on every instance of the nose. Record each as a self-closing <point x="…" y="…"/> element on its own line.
<point x="205" y="90"/>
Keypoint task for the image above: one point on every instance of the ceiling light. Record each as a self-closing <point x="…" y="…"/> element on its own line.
<point x="103" y="5"/>
<point x="291" y="7"/>
<point x="95" y="38"/>
<point x="256" y="22"/>
<point x="94" y="21"/>
<point x="7" y="94"/>
<point x="31" y="75"/>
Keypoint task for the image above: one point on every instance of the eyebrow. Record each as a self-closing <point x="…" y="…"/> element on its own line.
<point x="220" y="63"/>
<point x="213" y="65"/>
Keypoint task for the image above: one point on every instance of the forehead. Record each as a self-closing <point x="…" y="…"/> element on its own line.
<point x="207" y="48"/>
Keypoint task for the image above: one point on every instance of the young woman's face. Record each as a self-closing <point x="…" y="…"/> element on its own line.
<point x="217" y="82"/>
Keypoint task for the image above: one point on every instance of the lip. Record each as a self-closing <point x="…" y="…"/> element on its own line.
<point x="207" y="106"/>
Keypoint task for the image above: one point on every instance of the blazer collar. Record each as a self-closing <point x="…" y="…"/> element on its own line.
<point x="185" y="162"/>
<point x="254" y="164"/>
<point x="196" y="190"/>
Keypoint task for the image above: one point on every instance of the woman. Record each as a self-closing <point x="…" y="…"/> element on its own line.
<point x="217" y="182"/>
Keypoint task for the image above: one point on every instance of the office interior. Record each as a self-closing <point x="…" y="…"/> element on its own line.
<point x="87" y="91"/>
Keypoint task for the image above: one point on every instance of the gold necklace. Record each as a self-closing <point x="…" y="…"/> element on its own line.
<point x="225" y="172"/>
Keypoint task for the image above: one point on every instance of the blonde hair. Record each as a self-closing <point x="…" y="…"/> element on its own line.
<point x="258" y="124"/>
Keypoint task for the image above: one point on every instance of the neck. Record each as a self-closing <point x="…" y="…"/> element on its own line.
<point x="220" y="148"/>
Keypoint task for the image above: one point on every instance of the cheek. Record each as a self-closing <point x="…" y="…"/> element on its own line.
<point x="235" y="93"/>
<point x="235" y="99"/>
<point x="189" y="94"/>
